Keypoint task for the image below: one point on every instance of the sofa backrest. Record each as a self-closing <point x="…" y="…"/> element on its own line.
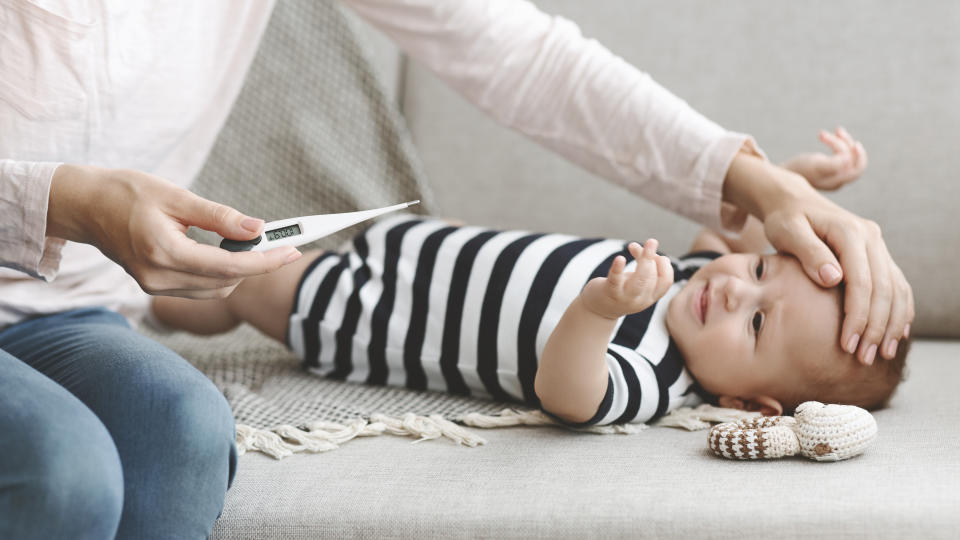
<point x="887" y="71"/>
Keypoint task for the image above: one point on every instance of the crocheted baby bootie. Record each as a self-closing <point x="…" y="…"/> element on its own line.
<point x="816" y="431"/>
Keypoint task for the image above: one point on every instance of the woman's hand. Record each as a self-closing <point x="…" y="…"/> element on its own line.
<point x="139" y="220"/>
<point x="622" y="293"/>
<point x="830" y="172"/>
<point x="878" y="303"/>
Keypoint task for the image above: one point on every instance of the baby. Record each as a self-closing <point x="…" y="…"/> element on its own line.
<point x="594" y="331"/>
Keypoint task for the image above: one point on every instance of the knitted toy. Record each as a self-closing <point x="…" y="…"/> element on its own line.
<point x="817" y="431"/>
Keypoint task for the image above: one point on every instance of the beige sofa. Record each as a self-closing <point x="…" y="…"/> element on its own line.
<point x="890" y="73"/>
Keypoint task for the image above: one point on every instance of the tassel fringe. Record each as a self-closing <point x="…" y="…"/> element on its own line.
<point x="321" y="436"/>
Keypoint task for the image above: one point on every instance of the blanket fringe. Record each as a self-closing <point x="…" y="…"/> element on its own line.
<point x="693" y="419"/>
<point x="321" y="436"/>
<point x="285" y="440"/>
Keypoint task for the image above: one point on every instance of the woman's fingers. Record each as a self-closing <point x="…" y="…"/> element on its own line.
<point x="901" y="313"/>
<point x="798" y="236"/>
<point x="851" y="245"/>
<point x="877" y="300"/>
<point x="219" y="218"/>
<point x="881" y="300"/>
<point x="191" y="257"/>
<point x="794" y="234"/>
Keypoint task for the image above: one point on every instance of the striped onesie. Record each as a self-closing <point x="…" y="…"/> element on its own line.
<point x="421" y="303"/>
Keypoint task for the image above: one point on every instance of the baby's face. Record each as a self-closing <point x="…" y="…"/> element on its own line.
<point x="741" y="321"/>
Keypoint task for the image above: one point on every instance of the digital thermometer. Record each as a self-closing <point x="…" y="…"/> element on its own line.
<point x="306" y="229"/>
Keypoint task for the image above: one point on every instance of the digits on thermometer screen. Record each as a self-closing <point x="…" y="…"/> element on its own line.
<point x="283" y="232"/>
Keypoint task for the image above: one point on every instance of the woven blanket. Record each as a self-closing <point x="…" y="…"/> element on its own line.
<point x="313" y="132"/>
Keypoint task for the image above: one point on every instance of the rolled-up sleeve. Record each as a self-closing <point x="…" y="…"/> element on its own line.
<point x="538" y="74"/>
<point x="24" y="198"/>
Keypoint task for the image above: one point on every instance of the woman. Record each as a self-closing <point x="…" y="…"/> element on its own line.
<point x="134" y="96"/>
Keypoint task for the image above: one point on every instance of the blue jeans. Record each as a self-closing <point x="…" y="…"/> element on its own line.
<point x="105" y="433"/>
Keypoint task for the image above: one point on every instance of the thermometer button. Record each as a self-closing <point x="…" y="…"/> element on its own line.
<point x="239" y="245"/>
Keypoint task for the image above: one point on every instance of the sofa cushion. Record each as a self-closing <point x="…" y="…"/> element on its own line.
<point x="664" y="482"/>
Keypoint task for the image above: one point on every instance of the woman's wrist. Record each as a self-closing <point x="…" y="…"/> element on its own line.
<point x="760" y="187"/>
<point x="73" y="192"/>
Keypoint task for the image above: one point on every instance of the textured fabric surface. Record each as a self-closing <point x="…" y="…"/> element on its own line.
<point x="889" y="72"/>
<point x="266" y="386"/>
<point x="662" y="482"/>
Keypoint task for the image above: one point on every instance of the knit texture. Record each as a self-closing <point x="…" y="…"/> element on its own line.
<point x="816" y="431"/>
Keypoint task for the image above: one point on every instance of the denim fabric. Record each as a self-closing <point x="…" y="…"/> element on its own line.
<point x="105" y="432"/>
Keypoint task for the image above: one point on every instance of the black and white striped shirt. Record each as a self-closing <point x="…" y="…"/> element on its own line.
<point x="421" y="303"/>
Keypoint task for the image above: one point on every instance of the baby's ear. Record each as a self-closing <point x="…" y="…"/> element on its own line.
<point x="765" y="405"/>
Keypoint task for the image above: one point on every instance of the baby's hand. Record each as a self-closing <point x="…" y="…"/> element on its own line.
<point x="825" y="172"/>
<point x="622" y="293"/>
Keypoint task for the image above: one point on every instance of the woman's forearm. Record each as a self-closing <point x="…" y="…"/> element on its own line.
<point x="572" y="376"/>
<point x="539" y="75"/>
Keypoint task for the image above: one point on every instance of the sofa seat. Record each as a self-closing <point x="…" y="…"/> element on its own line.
<point x="663" y="482"/>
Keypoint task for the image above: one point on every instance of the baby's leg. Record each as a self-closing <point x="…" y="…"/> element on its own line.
<point x="264" y="301"/>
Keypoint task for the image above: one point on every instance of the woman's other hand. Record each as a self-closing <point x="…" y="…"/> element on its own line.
<point x="878" y="303"/>
<point x="139" y="221"/>
<point x="831" y="172"/>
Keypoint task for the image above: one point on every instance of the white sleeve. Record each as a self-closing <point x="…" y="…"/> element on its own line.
<point x="24" y="197"/>
<point x="632" y="395"/>
<point x="537" y="74"/>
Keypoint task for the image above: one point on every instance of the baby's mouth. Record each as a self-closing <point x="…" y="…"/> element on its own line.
<point x="702" y="302"/>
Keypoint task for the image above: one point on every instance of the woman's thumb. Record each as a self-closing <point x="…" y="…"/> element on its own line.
<point x="220" y="218"/>
<point x="800" y="240"/>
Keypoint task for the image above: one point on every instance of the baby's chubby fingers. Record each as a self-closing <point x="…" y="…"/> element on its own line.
<point x="615" y="274"/>
<point x="650" y="268"/>
<point x="838" y="144"/>
<point x="650" y="248"/>
<point x="664" y="273"/>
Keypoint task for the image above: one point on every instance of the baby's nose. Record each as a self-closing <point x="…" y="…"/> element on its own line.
<point x="734" y="291"/>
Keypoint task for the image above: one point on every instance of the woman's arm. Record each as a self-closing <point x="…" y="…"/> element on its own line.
<point x="572" y="375"/>
<point x="539" y="75"/>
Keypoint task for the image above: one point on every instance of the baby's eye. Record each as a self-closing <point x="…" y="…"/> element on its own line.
<point x="759" y="270"/>
<point x="757" y="322"/>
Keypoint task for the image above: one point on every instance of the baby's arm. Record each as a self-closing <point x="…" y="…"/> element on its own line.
<point x="824" y="172"/>
<point x="572" y="376"/>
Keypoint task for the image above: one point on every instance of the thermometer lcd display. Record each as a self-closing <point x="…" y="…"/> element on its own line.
<point x="283" y="232"/>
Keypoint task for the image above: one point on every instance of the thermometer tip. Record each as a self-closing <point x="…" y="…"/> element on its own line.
<point x="411" y="203"/>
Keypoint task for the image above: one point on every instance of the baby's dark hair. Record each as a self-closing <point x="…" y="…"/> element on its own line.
<point x="853" y="383"/>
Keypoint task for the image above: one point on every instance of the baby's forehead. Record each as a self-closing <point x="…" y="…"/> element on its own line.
<point x="810" y="314"/>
